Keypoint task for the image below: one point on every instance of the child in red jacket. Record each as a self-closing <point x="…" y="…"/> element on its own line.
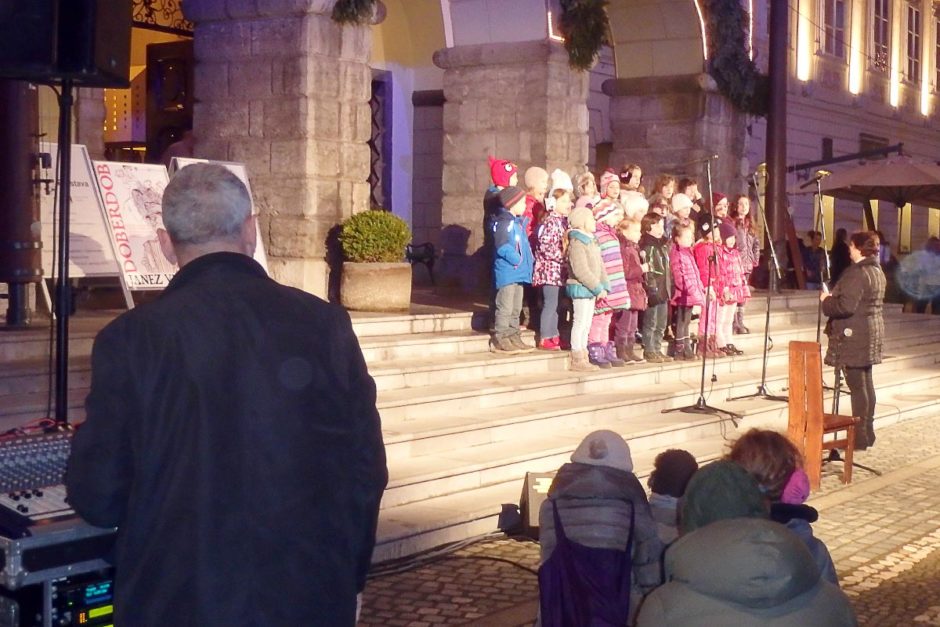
<point x="688" y="292"/>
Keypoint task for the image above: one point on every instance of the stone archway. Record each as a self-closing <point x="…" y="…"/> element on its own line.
<point x="665" y="111"/>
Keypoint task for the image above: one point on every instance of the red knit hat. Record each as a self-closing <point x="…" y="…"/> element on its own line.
<point x="501" y="171"/>
<point x="726" y="230"/>
<point x="717" y="197"/>
<point x="607" y="178"/>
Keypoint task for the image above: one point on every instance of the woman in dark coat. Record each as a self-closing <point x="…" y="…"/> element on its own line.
<point x="856" y="328"/>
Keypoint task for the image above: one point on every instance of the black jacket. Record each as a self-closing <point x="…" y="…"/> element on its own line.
<point x="233" y="438"/>
<point x="856" y="326"/>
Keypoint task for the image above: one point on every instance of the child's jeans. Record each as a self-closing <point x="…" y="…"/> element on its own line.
<point x="548" y="325"/>
<point x="654" y="325"/>
<point x="508" y="308"/>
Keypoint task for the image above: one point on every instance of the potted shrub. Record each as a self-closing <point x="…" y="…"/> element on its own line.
<point x="375" y="276"/>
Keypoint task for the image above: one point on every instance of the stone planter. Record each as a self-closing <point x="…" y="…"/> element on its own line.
<point x="376" y="286"/>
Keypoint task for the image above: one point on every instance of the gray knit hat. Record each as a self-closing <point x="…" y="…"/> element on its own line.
<point x="604" y="448"/>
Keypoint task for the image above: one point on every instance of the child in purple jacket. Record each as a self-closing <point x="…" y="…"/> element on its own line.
<point x="687" y="289"/>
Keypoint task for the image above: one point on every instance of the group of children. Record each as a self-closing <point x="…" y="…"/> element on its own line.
<point x="625" y="262"/>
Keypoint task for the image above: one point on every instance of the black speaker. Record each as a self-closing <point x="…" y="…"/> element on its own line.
<point x="45" y="41"/>
<point x="534" y="492"/>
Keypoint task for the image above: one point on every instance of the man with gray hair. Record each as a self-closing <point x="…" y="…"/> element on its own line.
<point x="231" y="435"/>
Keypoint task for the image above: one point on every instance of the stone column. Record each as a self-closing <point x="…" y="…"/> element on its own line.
<point x="89" y="114"/>
<point x="666" y="123"/>
<point x="516" y="101"/>
<point x="284" y="89"/>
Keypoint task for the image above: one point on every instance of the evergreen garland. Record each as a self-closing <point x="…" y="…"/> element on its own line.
<point x="586" y="30"/>
<point x="734" y="71"/>
<point x="356" y="12"/>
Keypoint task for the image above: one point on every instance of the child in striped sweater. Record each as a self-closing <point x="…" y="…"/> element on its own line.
<point x="601" y="349"/>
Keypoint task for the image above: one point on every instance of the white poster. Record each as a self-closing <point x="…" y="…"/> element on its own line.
<point x="90" y="252"/>
<point x="239" y="170"/>
<point x="132" y="194"/>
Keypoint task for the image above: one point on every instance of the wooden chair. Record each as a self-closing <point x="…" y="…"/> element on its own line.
<point x="808" y="423"/>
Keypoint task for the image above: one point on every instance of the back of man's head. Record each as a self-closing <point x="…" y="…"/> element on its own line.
<point x="204" y="203"/>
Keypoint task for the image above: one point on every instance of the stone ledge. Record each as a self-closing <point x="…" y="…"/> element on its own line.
<point x="684" y="83"/>
<point x="512" y="53"/>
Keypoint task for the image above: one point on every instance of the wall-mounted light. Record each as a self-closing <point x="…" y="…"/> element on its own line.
<point x="804" y="40"/>
<point x="551" y="29"/>
<point x="856" y="56"/>
<point x="701" y="22"/>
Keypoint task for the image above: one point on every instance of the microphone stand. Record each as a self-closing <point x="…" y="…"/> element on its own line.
<point x="826" y="275"/>
<point x="700" y="406"/>
<point x="773" y="272"/>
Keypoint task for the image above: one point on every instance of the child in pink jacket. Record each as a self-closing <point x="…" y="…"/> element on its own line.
<point x="733" y="287"/>
<point x="688" y="292"/>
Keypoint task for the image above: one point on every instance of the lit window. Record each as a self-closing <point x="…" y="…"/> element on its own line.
<point x="881" y="32"/>
<point x="913" y="43"/>
<point x="834" y="28"/>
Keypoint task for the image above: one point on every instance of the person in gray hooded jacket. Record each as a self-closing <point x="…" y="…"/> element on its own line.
<point x="734" y="567"/>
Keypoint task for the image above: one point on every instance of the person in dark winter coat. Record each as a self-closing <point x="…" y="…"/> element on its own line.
<point x="856" y="328"/>
<point x="654" y="251"/>
<point x="634" y="269"/>
<point x="839" y="255"/>
<point x="231" y="435"/>
<point x="594" y="495"/>
<point x="733" y="566"/>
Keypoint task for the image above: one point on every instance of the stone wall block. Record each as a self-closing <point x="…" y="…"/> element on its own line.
<point x="323" y="76"/>
<point x="251" y="78"/>
<point x="327" y="198"/>
<point x="455" y="91"/>
<point x="256" y="118"/>
<point x="229" y="118"/>
<point x="363" y="122"/>
<point x="323" y="159"/>
<point x="293" y="236"/>
<point x="212" y="79"/>
<point x="222" y="40"/>
<point x="289" y="157"/>
<point x="256" y="155"/>
<point x="276" y="37"/>
<point x="285" y="117"/>
<point x="281" y="196"/>
<point x="322" y="36"/>
<point x="209" y="147"/>
<point x="459" y="180"/>
<point x="237" y="9"/>
<point x="293" y="7"/>
<point x="578" y="119"/>
<point x="356" y="42"/>
<point x="361" y="194"/>
<point x="323" y="119"/>
<point x="355" y="82"/>
<point x="289" y="77"/>
<point x="354" y="161"/>
<point x="204" y="11"/>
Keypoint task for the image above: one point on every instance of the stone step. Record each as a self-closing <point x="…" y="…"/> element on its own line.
<point x="33" y="375"/>
<point x="455" y="389"/>
<point x="537" y="447"/>
<point x="459" y="366"/>
<point x="407" y="529"/>
<point x="446" y="432"/>
<point x="368" y="325"/>
<point x="385" y="351"/>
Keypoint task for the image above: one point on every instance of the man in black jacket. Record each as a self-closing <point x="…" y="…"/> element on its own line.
<point x="231" y="435"/>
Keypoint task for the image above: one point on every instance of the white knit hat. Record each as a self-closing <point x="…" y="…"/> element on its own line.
<point x="604" y="448"/>
<point x="560" y="180"/>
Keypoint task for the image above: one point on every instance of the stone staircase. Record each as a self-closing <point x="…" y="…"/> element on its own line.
<point x="462" y="426"/>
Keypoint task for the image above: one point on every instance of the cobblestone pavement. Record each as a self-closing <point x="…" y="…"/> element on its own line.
<point x="883" y="533"/>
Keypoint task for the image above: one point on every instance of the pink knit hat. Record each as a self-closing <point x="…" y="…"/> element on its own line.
<point x="608" y="177"/>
